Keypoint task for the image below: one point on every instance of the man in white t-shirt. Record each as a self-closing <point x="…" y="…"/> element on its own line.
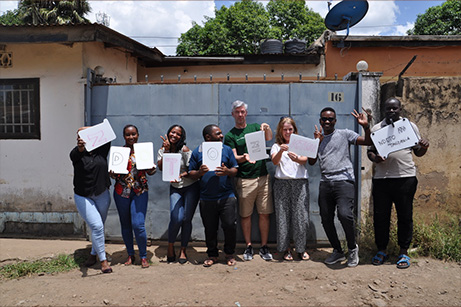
<point x="394" y="181"/>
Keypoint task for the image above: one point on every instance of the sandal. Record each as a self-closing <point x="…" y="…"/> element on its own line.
<point x="210" y="261"/>
<point x="379" y="258"/>
<point x="288" y="256"/>
<point x="144" y="263"/>
<point x="404" y="262"/>
<point x="304" y="256"/>
<point x="130" y="260"/>
<point x="231" y="260"/>
<point x="105" y="268"/>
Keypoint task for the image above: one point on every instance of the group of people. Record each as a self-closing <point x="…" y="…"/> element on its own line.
<point x="219" y="193"/>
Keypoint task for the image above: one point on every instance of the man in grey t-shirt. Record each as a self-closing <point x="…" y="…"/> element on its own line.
<point x="336" y="190"/>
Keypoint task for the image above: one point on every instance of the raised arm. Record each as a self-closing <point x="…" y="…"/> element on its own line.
<point x="362" y="119"/>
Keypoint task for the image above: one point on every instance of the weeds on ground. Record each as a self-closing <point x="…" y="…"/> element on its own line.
<point x="61" y="263"/>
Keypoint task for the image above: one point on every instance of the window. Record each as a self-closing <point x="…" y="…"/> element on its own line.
<point x="19" y="109"/>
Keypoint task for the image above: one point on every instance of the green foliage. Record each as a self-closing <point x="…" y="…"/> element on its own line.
<point x="54" y="12"/>
<point x="11" y="18"/>
<point x="444" y="19"/>
<point x="241" y="28"/>
<point x="61" y="263"/>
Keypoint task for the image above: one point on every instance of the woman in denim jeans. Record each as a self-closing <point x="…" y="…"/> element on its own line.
<point x="131" y="196"/>
<point x="184" y="194"/>
<point x="91" y="195"/>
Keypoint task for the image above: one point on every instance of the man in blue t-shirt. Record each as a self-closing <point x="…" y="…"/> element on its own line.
<point x="217" y="199"/>
<point x="337" y="182"/>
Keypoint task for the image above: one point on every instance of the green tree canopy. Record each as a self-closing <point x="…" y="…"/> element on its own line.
<point x="241" y="28"/>
<point x="11" y="18"/>
<point x="444" y="19"/>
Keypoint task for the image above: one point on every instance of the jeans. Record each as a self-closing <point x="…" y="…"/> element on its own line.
<point x="340" y="196"/>
<point x="399" y="191"/>
<point x="93" y="209"/>
<point x="183" y="203"/>
<point x="132" y="214"/>
<point x="212" y="212"/>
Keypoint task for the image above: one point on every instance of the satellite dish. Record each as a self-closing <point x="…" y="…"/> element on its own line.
<point x="346" y="14"/>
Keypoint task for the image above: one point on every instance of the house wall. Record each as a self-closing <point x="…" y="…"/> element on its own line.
<point x="431" y="61"/>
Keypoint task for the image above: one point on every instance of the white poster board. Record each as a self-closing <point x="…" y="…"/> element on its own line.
<point x="256" y="145"/>
<point x="211" y="154"/>
<point x="144" y="153"/>
<point x="171" y="166"/>
<point x="394" y="138"/>
<point x="97" y="135"/>
<point x="118" y="159"/>
<point x="303" y="146"/>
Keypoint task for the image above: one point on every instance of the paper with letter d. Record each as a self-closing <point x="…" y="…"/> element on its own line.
<point x="171" y="166"/>
<point x="97" y="135"/>
<point x="303" y="146"/>
<point x="394" y="138"/>
<point x="211" y="154"/>
<point x="118" y="159"/>
<point x="144" y="153"/>
<point x="256" y="145"/>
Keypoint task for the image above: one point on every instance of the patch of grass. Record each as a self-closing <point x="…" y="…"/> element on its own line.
<point x="62" y="263"/>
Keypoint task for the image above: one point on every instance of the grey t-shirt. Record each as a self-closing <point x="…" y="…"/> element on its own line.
<point x="335" y="156"/>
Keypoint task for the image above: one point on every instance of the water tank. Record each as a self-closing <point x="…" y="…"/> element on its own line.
<point x="295" y="46"/>
<point x="272" y="46"/>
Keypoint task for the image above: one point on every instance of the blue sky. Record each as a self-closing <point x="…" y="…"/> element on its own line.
<point x="160" y="23"/>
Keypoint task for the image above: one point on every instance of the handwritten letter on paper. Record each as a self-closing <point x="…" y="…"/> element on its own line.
<point x="303" y="146"/>
<point x="171" y="166"/>
<point x="118" y="159"/>
<point x="97" y="135"/>
<point x="394" y="138"/>
<point x="211" y="153"/>
<point x="256" y="145"/>
<point x="144" y="153"/>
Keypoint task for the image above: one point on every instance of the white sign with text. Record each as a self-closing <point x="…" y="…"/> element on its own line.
<point x="171" y="166"/>
<point x="256" y="145"/>
<point x="303" y="146"/>
<point x="144" y="153"/>
<point x="211" y="154"/>
<point x="118" y="159"/>
<point x="394" y="137"/>
<point x="97" y="135"/>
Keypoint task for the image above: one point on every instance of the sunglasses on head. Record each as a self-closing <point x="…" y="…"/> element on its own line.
<point x="283" y="117"/>
<point x="330" y="119"/>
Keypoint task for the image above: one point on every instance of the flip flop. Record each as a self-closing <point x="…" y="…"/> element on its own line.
<point x="210" y="261"/>
<point x="379" y="258"/>
<point x="404" y="262"/>
<point x="231" y="260"/>
<point x="304" y="256"/>
<point x="107" y="270"/>
<point x="288" y="256"/>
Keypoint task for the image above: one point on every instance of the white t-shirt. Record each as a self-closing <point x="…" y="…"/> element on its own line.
<point x="287" y="168"/>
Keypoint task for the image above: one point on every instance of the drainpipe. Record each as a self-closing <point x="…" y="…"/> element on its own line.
<point x="88" y="96"/>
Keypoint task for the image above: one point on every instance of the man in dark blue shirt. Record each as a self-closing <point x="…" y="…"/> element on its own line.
<point x="217" y="199"/>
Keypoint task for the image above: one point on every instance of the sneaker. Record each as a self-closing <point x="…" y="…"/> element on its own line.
<point x="353" y="258"/>
<point x="335" y="257"/>
<point x="248" y="254"/>
<point x="264" y="253"/>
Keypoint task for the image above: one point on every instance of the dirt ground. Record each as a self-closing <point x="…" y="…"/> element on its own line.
<point x="427" y="282"/>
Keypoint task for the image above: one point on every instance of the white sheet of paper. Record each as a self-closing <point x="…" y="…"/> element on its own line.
<point x="256" y="145"/>
<point x="144" y="153"/>
<point x="97" y="135"/>
<point x="211" y="154"/>
<point x="118" y="159"/>
<point x="171" y="166"/>
<point x="303" y="146"/>
<point x="390" y="139"/>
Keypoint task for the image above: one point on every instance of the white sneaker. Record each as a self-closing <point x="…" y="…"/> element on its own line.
<point x="353" y="258"/>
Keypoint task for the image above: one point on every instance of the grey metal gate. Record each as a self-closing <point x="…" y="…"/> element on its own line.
<point x="155" y="107"/>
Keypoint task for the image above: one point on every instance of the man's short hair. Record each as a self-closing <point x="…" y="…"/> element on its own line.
<point x="208" y="129"/>
<point x="327" y="109"/>
<point x="237" y="104"/>
<point x="393" y="99"/>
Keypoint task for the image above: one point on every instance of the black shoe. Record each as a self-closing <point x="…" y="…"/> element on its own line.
<point x="171" y="258"/>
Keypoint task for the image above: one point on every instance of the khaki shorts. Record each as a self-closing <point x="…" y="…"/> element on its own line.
<point x="254" y="191"/>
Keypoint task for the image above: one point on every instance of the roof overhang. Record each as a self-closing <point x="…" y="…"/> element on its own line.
<point x="395" y="41"/>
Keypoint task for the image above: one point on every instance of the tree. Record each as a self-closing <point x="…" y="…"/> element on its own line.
<point x="11" y="18"/>
<point x="54" y="12"/>
<point x="241" y="28"/>
<point x="444" y="19"/>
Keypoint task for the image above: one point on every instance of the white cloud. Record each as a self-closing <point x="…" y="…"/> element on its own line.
<point x="7" y="6"/>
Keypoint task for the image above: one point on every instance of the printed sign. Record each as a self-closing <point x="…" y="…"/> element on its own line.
<point x="211" y="154"/>
<point x="394" y="138"/>
<point x="171" y="166"/>
<point x="144" y="153"/>
<point x="97" y="135"/>
<point x="256" y="145"/>
<point x="118" y="159"/>
<point x="303" y="146"/>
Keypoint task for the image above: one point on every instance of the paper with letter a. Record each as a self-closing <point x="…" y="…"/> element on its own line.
<point x="118" y="159"/>
<point x="394" y="138"/>
<point x="256" y="145"/>
<point x="97" y="135"/>
<point x="171" y="166"/>
<point x="144" y="153"/>
<point x="211" y="154"/>
<point x="303" y="146"/>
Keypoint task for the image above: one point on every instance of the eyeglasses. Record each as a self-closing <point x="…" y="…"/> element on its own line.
<point x="330" y="119"/>
<point x="283" y="117"/>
